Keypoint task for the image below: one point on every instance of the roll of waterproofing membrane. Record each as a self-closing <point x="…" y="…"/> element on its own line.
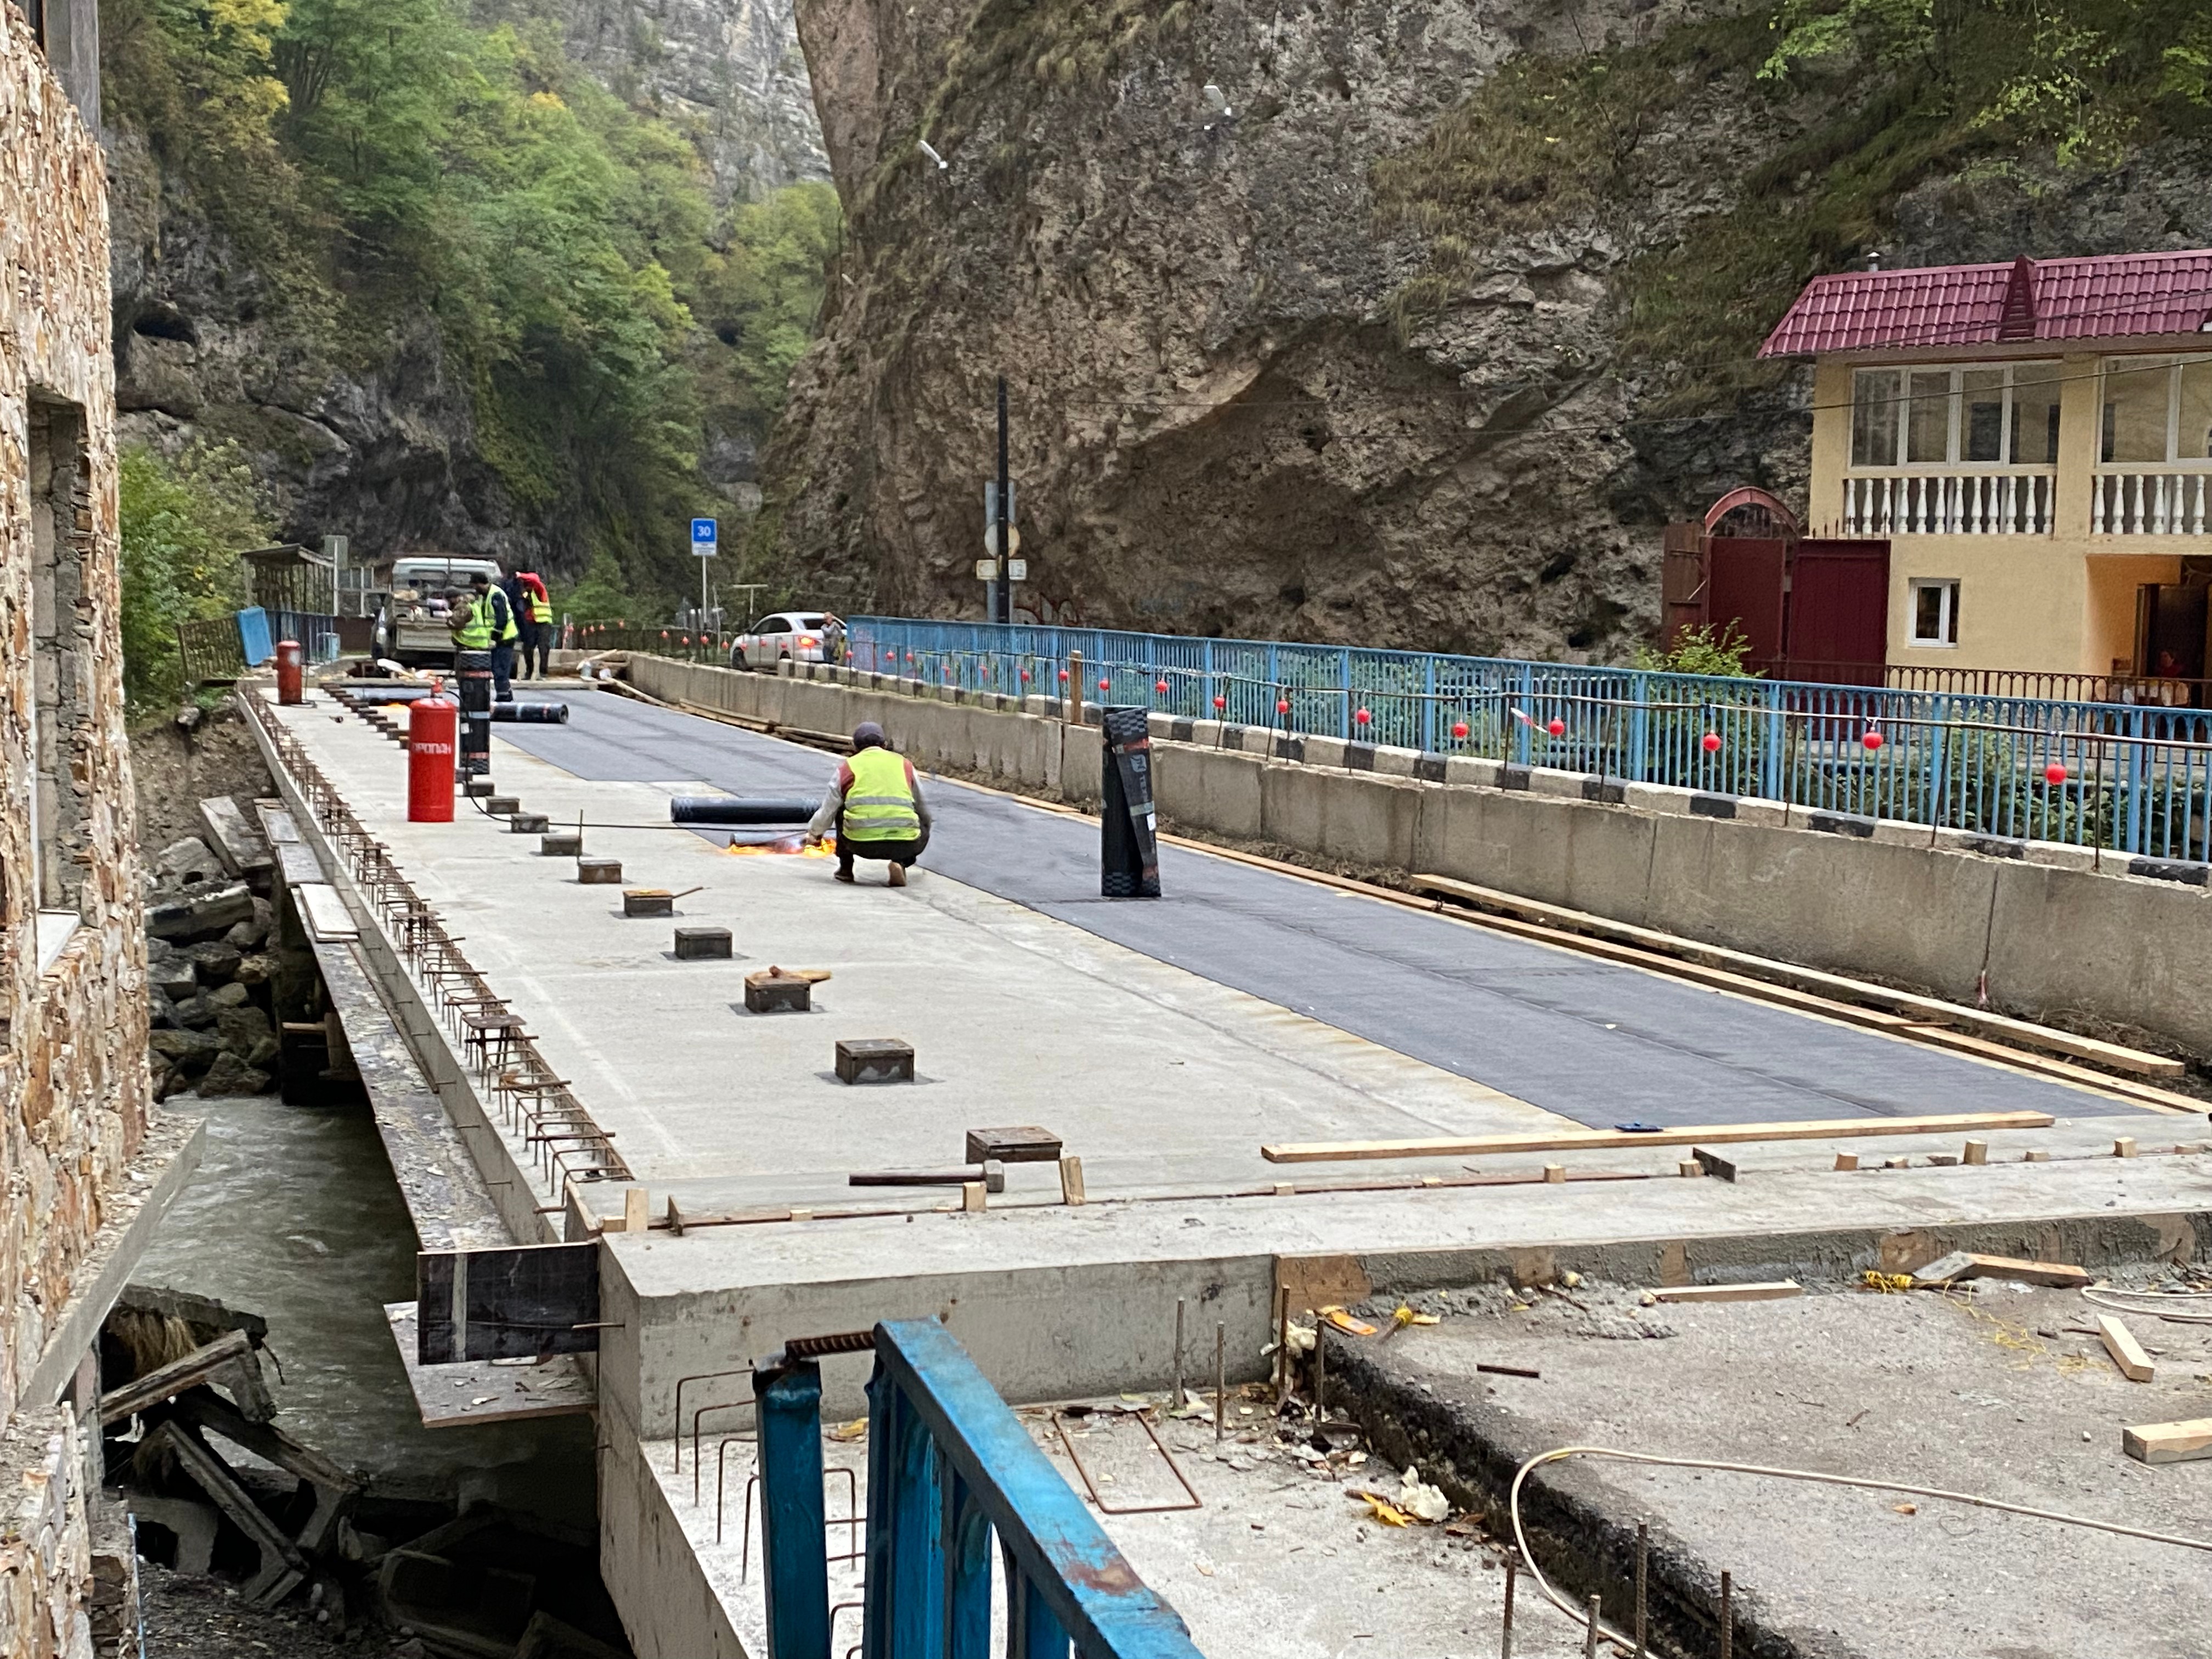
<point x="739" y="809"/>
<point x="531" y="713"/>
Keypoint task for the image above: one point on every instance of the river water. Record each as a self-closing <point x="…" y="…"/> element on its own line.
<point x="294" y="1214"/>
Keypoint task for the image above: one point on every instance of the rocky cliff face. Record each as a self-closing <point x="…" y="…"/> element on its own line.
<point x="729" y="71"/>
<point x="1217" y="426"/>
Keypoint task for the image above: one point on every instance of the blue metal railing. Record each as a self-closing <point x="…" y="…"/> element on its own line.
<point x="949" y="1468"/>
<point x="2133" y="778"/>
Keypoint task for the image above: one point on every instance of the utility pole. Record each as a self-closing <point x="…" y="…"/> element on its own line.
<point x="1002" y="597"/>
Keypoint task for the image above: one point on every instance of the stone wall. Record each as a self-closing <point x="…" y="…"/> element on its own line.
<point x="74" y="1103"/>
<point x="47" y="1588"/>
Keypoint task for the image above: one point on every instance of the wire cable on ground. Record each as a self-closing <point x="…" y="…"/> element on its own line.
<point x="2153" y="1303"/>
<point x="1580" y="1614"/>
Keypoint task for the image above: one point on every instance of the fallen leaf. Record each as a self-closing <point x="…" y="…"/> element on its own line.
<point x="1204" y="1565"/>
<point x="1906" y="1508"/>
<point x="1383" y="1509"/>
<point x="855" y="1430"/>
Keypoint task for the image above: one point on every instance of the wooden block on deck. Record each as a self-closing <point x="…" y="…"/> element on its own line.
<point x="562" y="844"/>
<point x="772" y="992"/>
<point x="1775" y="1291"/>
<point x="875" y="1060"/>
<point x="2169" y="1443"/>
<point x="1962" y="1265"/>
<point x="475" y="786"/>
<point x="526" y="824"/>
<point x="1025" y="1144"/>
<point x="702" y="944"/>
<point x="1713" y="1164"/>
<point x="2127" y="1353"/>
<point x="503" y="806"/>
<point x="597" y="872"/>
<point x="648" y="902"/>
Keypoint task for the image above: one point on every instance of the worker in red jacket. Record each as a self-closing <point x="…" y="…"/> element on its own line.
<point x="533" y="616"/>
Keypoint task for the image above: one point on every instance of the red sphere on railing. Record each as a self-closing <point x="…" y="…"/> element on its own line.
<point x="1872" y="740"/>
<point x="1711" y="741"/>
<point x="1105" y="684"/>
<point x="1282" y="705"/>
<point x="1558" y="728"/>
<point x="2054" y="773"/>
<point x="1221" y="703"/>
<point x="1459" y="730"/>
<point x="1160" y="686"/>
<point x="1025" y="675"/>
<point x="1361" y="716"/>
<point x="1063" y="677"/>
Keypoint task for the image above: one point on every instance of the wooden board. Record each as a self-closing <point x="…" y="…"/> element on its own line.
<point x="2137" y="1094"/>
<point x="1810" y="979"/>
<point x="1613" y="1141"/>
<point x="323" y="913"/>
<point x="282" y="1568"/>
<point x="1774" y="1291"/>
<point x="481" y="1391"/>
<point x="2169" y="1443"/>
<point x="229" y="1359"/>
<point x="2127" y="1353"/>
<point x="519" y="1302"/>
<point x="1962" y="1265"/>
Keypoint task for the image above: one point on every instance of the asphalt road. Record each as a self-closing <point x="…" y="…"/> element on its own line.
<point x="1600" y="1043"/>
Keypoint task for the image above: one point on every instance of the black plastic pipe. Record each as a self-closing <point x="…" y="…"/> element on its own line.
<point x="531" y="713"/>
<point x="731" y="809"/>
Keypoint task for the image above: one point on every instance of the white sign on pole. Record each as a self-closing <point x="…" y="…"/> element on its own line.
<point x="1018" y="570"/>
<point x="991" y="537"/>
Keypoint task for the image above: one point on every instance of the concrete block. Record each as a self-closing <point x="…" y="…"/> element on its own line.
<point x="777" y="993"/>
<point x="1899" y="832"/>
<point x="874" y="1059"/>
<point x="1665" y="798"/>
<point x="562" y="844"/>
<point x="1768" y="814"/>
<point x="1472" y="769"/>
<point x="2063" y="856"/>
<point x="501" y="806"/>
<point x="1210" y="788"/>
<point x="702" y="944"/>
<point x="1324" y="751"/>
<point x="1550" y="781"/>
<point x="1396" y="762"/>
<point x="474" y="786"/>
<point x="526" y="824"/>
<point x="597" y="872"/>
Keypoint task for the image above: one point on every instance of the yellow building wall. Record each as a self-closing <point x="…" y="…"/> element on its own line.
<point x="2064" y="603"/>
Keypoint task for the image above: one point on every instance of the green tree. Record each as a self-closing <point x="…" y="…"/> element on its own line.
<point x="183" y="522"/>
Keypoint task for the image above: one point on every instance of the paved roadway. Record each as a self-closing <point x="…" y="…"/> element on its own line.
<point x="1594" y="1041"/>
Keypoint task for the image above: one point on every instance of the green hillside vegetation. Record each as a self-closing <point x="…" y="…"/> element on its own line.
<point x="378" y="160"/>
<point x="1877" y="96"/>
<point x="184" y="521"/>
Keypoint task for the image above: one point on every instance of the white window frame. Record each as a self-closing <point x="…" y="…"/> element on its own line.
<point x="1955" y="438"/>
<point x="2174" y="460"/>
<point x="1947" y="613"/>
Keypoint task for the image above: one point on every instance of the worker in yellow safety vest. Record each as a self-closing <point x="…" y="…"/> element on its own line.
<point x="471" y="623"/>
<point x="876" y="810"/>
<point x="492" y="614"/>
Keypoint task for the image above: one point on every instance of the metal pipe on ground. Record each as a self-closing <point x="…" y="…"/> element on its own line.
<point x="731" y="809"/>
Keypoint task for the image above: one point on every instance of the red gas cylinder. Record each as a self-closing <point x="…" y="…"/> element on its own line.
<point x="433" y="738"/>
<point x="289" y="661"/>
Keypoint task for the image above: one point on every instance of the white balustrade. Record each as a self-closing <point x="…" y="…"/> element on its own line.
<point x="2149" y="502"/>
<point x="2005" y="502"/>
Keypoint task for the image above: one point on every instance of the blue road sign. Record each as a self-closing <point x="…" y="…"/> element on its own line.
<point x="702" y="537"/>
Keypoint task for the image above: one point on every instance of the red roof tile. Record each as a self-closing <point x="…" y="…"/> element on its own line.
<point x="2090" y="298"/>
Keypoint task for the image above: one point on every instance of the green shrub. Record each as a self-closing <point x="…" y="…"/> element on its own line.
<point x="184" y="521"/>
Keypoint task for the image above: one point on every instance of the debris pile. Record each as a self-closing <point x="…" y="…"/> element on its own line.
<point x="220" y="1492"/>
<point x="212" y="960"/>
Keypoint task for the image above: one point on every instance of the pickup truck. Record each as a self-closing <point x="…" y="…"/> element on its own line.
<point x="414" y="625"/>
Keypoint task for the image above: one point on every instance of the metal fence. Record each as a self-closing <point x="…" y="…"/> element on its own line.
<point x="2132" y="778"/>
<point x="950" y="1472"/>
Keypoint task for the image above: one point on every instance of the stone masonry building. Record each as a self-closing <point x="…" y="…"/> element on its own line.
<point x="87" y="1168"/>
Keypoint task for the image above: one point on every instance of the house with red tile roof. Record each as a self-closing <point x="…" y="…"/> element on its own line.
<point x="2034" y="440"/>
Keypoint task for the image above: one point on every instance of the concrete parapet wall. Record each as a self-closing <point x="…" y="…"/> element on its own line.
<point x="2035" y="928"/>
<point x="46" y="1540"/>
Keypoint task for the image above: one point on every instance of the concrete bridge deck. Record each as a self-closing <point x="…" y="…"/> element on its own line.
<point x="1164" y="1041"/>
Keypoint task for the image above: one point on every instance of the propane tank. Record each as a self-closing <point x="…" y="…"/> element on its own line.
<point x="289" y="660"/>
<point x="433" y="738"/>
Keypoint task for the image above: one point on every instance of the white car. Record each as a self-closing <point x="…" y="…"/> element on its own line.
<point x="800" y="635"/>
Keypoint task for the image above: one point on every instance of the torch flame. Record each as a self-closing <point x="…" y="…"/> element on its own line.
<point x="792" y="846"/>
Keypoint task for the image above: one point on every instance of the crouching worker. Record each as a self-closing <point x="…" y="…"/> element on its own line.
<point x="876" y="810"/>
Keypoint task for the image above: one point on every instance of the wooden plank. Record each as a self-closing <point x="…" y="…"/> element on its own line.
<point x="1711" y="1162"/>
<point x="201" y="1365"/>
<point x="1848" y="1128"/>
<point x="2139" y="1094"/>
<point x="242" y="851"/>
<point x="2169" y="1443"/>
<point x="485" y="1391"/>
<point x="335" y="1487"/>
<point x="328" y="920"/>
<point x="2127" y="1353"/>
<point x="519" y="1302"/>
<point x="1774" y="1291"/>
<point x="281" y="1567"/>
<point x="1962" y="1265"/>
<point x="1812" y="979"/>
